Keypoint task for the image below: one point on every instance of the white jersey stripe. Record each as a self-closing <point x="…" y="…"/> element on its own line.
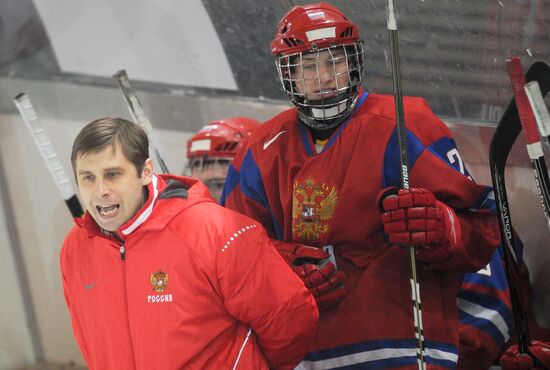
<point x="485" y="313"/>
<point x="374" y="355"/>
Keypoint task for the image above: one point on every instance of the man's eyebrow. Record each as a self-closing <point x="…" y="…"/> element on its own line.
<point x="113" y="169"/>
<point x="86" y="172"/>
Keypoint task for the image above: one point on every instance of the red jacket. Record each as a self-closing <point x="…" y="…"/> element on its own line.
<point x="200" y="287"/>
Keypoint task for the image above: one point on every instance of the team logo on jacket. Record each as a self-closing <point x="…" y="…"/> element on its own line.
<point x="159" y="281"/>
<point x="312" y="208"/>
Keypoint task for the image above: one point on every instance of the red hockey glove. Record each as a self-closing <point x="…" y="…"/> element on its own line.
<point x="319" y="275"/>
<point x="537" y="358"/>
<point x="415" y="217"/>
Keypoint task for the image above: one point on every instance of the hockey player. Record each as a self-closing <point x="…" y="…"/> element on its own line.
<point x="156" y="275"/>
<point x="322" y="178"/>
<point x="213" y="147"/>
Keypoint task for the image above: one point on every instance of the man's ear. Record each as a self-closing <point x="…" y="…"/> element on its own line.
<point x="147" y="172"/>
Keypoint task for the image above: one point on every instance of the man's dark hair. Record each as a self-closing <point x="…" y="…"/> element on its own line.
<point x="104" y="132"/>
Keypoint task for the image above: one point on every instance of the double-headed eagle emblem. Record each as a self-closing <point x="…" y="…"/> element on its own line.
<point x="159" y="281"/>
<point x="312" y="209"/>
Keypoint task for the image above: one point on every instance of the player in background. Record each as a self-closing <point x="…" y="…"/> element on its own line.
<point x="213" y="147"/>
<point x="322" y="178"/>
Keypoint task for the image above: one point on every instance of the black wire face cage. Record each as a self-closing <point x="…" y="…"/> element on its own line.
<point x="333" y="86"/>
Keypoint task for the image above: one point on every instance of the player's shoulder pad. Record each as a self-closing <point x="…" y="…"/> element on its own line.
<point x="419" y="118"/>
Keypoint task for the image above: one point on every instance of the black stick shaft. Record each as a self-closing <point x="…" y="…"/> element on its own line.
<point x="502" y="142"/>
<point x="402" y="141"/>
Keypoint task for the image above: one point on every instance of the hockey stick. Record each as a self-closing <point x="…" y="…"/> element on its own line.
<point x="504" y="137"/>
<point x="138" y="114"/>
<point x="402" y="140"/>
<point x="44" y="145"/>
<point x="532" y="138"/>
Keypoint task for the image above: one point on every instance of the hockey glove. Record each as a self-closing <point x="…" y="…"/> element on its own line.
<point x="319" y="275"/>
<point x="538" y="357"/>
<point x="415" y="217"/>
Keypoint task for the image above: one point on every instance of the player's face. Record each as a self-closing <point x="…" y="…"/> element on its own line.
<point x="110" y="187"/>
<point x="212" y="172"/>
<point x="322" y="75"/>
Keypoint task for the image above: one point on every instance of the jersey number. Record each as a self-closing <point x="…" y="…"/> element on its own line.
<point x="454" y="157"/>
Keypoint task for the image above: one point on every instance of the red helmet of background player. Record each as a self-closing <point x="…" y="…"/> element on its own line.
<point x="212" y="148"/>
<point x="324" y="30"/>
<point x="221" y="139"/>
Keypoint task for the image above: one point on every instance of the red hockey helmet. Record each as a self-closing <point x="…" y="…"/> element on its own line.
<point x="221" y="139"/>
<point x="313" y="26"/>
<point x="211" y="150"/>
<point x="308" y="38"/>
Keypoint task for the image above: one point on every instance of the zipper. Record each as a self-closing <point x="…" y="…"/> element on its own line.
<point x="121" y="249"/>
<point x="122" y="252"/>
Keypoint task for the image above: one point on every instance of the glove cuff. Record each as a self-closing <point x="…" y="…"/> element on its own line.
<point x="451" y="225"/>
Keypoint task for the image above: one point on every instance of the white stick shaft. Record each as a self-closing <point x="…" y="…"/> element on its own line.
<point x="532" y="89"/>
<point x="44" y="145"/>
<point x="392" y="19"/>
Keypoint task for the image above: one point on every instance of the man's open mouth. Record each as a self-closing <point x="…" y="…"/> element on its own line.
<point x="107" y="210"/>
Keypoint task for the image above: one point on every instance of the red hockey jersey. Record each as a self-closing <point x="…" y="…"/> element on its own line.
<point x="328" y="198"/>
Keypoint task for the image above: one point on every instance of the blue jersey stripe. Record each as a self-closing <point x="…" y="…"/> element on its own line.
<point x="392" y="163"/>
<point x="497" y="277"/>
<point x="380" y="354"/>
<point x="484" y="301"/>
<point x="486" y="326"/>
<point x="252" y="184"/>
<point x="303" y="135"/>
<point x="486" y="200"/>
<point x="379" y="364"/>
<point x="231" y="181"/>
<point x="445" y="149"/>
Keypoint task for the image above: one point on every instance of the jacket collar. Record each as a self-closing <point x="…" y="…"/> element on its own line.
<point x="145" y="212"/>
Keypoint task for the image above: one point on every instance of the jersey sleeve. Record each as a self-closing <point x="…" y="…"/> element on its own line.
<point x="260" y="290"/>
<point x="485" y="314"/>
<point x="436" y="164"/>
<point x="244" y="192"/>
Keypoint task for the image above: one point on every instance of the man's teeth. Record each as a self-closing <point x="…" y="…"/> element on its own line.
<point x="107" y="210"/>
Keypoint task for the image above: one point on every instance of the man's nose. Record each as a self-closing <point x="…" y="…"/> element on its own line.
<point x="103" y="188"/>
